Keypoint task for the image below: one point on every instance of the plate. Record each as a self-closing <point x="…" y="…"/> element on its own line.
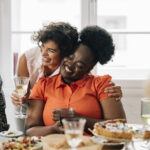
<point x="11" y="134"/>
<point x="37" y="146"/>
<point x="32" y="143"/>
<point x="107" y="143"/>
<point x="109" y="138"/>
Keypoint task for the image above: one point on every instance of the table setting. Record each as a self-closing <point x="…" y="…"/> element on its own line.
<point x="115" y="134"/>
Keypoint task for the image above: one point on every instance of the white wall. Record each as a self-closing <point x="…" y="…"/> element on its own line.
<point x="5" y="55"/>
<point x="133" y="91"/>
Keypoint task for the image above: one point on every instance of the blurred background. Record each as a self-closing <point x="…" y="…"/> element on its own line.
<point x="127" y="20"/>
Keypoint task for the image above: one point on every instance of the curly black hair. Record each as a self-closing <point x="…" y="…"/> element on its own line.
<point x="99" y="41"/>
<point x="65" y="35"/>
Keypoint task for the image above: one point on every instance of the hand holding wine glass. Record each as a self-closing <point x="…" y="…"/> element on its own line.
<point x="21" y="84"/>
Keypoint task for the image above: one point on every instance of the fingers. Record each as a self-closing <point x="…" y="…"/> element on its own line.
<point x="114" y="91"/>
<point x="16" y="100"/>
<point x="60" y="128"/>
<point x="58" y="114"/>
<point x="56" y="117"/>
<point x="113" y="88"/>
<point x="25" y="98"/>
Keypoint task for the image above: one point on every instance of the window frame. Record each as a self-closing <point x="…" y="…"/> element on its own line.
<point x="88" y="17"/>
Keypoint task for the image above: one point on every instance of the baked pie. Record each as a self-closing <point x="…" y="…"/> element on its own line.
<point x="119" y="129"/>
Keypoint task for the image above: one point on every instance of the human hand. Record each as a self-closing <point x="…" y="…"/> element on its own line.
<point x="17" y="100"/>
<point x="58" y="128"/>
<point x="58" y="114"/>
<point x="114" y="91"/>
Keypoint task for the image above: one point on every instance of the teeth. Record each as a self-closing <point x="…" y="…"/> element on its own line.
<point x="45" y="59"/>
<point x="67" y="69"/>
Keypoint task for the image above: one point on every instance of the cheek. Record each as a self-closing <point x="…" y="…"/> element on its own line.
<point x="55" y="58"/>
<point x="79" y="73"/>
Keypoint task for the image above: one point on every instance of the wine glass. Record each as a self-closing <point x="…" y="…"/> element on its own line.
<point x="145" y="116"/>
<point x="21" y="84"/>
<point x="74" y="128"/>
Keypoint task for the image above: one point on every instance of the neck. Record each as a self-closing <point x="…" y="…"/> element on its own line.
<point x="67" y="81"/>
<point x="47" y="71"/>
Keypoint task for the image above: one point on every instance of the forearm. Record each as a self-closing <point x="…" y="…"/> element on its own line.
<point x="40" y="130"/>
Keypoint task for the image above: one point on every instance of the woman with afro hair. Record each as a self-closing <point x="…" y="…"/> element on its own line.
<point x="75" y="87"/>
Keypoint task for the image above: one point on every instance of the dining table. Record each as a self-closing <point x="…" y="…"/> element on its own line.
<point x="52" y="142"/>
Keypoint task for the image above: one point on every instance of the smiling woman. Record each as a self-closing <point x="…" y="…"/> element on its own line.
<point x="54" y="41"/>
<point x="75" y="87"/>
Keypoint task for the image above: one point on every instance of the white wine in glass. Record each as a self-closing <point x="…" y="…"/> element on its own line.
<point x="21" y="84"/>
<point x="145" y="110"/>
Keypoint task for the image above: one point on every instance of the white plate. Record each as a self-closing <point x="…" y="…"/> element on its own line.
<point x="104" y="141"/>
<point x="11" y="134"/>
<point x="100" y="140"/>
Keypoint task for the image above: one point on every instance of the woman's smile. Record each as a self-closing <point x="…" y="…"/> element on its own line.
<point x="67" y="69"/>
<point x="46" y="60"/>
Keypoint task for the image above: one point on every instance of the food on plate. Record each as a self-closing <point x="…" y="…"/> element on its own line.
<point x="11" y="133"/>
<point x="142" y="133"/>
<point x="119" y="129"/>
<point x="23" y="143"/>
<point x="113" y="129"/>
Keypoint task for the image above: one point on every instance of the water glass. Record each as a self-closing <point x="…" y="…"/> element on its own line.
<point x="74" y="128"/>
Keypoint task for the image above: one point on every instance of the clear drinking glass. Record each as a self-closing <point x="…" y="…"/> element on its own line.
<point x="74" y="128"/>
<point x="21" y="84"/>
<point x="145" y="116"/>
<point x="145" y="110"/>
<point x="66" y="113"/>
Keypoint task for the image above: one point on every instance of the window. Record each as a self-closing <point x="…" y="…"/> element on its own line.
<point x="129" y="24"/>
<point x="31" y="15"/>
<point x="127" y="20"/>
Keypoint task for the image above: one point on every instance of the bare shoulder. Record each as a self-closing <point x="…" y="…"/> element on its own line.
<point x="22" y="69"/>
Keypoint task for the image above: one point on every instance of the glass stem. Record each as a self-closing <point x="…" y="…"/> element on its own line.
<point x="20" y="111"/>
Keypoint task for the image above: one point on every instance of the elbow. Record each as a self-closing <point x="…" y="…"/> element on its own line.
<point x="28" y="131"/>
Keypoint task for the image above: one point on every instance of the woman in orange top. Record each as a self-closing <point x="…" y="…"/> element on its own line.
<point x="75" y="87"/>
